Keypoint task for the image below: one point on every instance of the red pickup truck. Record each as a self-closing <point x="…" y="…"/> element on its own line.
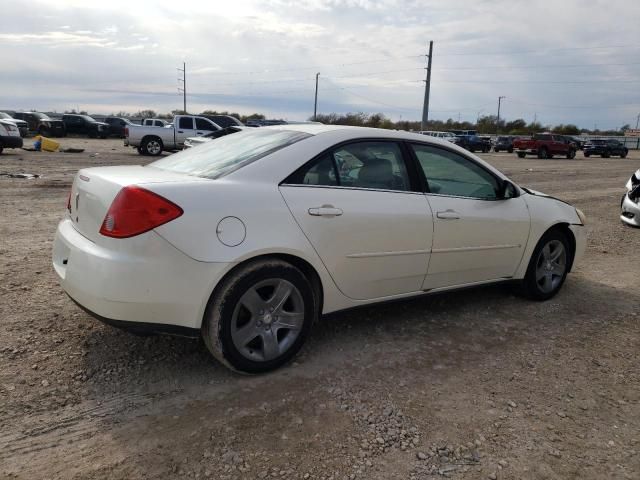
<point x="545" y="145"/>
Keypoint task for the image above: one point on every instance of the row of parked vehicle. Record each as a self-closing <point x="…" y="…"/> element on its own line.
<point x="542" y="145"/>
<point x="42" y="124"/>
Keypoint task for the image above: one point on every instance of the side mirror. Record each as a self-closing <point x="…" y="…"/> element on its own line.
<point x="507" y="190"/>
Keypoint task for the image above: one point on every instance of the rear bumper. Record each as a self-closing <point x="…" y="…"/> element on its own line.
<point x="630" y="212"/>
<point x="10" y="141"/>
<point x="157" y="288"/>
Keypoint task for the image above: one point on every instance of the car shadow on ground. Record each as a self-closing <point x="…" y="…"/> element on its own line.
<point x="117" y="360"/>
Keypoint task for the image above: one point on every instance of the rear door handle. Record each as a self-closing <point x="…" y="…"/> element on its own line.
<point x="448" y="215"/>
<point x="325" y="211"/>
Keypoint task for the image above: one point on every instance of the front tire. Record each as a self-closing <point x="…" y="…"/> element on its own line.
<point x="624" y="154"/>
<point x="542" y="153"/>
<point x="548" y="266"/>
<point x="258" y="318"/>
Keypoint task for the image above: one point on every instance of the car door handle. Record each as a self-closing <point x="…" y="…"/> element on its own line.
<point x="448" y="215"/>
<point x="325" y="211"/>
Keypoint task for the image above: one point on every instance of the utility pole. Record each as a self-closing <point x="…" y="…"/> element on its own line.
<point x="427" y="90"/>
<point x="498" y="122"/>
<point x="637" y="121"/>
<point x="315" y="103"/>
<point x="183" y="89"/>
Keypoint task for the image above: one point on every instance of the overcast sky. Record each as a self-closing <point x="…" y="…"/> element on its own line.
<point x="564" y="61"/>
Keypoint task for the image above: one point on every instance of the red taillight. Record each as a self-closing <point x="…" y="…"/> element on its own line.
<point x="126" y="131"/>
<point x="69" y="201"/>
<point x="135" y="211"/>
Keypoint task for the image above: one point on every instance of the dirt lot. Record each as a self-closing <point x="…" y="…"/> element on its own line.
<point x="478" y="384"/>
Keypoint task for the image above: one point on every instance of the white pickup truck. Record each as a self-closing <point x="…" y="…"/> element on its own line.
<point x="153" y="140"/>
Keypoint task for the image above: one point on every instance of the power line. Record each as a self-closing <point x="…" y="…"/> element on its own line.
<point x="538" y="51"/>
<point x="533" y="66"/>
<point x="311" y="67"/>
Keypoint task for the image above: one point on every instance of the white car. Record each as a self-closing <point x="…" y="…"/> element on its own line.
<point x="630" y="203"/>
<point x="9" y="135"/>
<point x="248" y="239"/>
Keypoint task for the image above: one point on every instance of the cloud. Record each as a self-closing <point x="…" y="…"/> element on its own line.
<point x="263" y="55"/>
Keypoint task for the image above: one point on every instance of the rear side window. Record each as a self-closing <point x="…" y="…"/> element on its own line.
<point x="202" y="124"/>
<point x="367" y="164"/>
<point x="226" y="154"/>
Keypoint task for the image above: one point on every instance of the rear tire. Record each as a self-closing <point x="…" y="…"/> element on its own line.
<point x="246" y="322"/>
<point x="1" y="148"/>
<point x="543" y="153"/>
<point x="571" y="154"/>
<point x="152" y="146"/>
<point x="548" y="266"/>
<point x="624" y="154"/>
<point x="510" y="150"/>
<point x="521" y="154"/>
<point x="587" y="154"/>
<point x="606" y="154"/>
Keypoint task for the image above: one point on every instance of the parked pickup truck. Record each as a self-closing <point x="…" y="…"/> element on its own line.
<point x="153" y="140"/>
<point x="545" y="145"/>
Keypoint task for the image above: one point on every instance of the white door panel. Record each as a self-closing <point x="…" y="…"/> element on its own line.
<point x="373" y="243"/>
<point x="476" y="240"/>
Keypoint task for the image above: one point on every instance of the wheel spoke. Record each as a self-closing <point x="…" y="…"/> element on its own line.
<point x="557" y="253"/>
<point x="253" y="302"/>
<point x="247" y="333"/>
<point x="270" y="347"/>
<point x="557" y="269"/>
<point x="546" y="251"/>
<point x="540" y="273"/>
<point x="290" y="320"/>
<point x="280" y="295"/>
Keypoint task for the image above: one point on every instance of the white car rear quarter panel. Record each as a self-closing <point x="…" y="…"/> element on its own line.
<point x="270" y="227"/>
<point x="145" y="279"/>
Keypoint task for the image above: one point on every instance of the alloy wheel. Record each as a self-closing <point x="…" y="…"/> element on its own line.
<point x="267" y="319"/>
<point x="551" y="266"/>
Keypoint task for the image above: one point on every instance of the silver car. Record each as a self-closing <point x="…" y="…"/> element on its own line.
<point x="631" y="201"/>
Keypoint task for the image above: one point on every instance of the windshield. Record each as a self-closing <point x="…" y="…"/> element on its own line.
<point x="41" y="116"/>
<point x="224" y="155"/>
<point x="87" y="118"/>
<point x="5" y="115"/>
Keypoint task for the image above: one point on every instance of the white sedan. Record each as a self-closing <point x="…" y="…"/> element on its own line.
<point x="248" y="239"/>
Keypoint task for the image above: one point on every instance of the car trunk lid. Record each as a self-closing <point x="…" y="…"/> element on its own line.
<point x="94" y="189"/>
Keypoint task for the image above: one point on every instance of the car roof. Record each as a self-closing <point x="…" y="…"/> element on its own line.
<point x="358" y="132"/>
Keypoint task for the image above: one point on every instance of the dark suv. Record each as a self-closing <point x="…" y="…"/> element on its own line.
<point x="473" y="143"/>
<point x="117" y="125"/>
<point x="503" y="143"/>
<point x="605" y="148"/>
<point x="41" y="123"/>
<point x="85" y="125"/>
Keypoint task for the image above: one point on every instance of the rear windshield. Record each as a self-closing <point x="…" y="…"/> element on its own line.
<point x="224" y="155"/>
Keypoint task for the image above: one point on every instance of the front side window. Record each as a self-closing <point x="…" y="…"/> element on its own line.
<point x="186" y="123"/>
<point x="449" y="173"/>
<point x="224" y="155"/>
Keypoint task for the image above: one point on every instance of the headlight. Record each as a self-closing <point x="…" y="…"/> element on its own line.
<point x="581" y="216"/>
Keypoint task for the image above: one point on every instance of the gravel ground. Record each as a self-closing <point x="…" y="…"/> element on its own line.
<point x="478" y="384"/>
